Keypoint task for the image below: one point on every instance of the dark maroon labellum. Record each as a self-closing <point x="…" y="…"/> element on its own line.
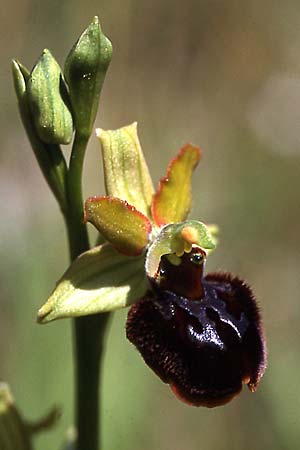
<point x="203" y="336"/>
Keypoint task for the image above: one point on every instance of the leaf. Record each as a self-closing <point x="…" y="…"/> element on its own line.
<point x="126" y="173"/>
<point x="99" y="280"/>
<point x="172" y="201"/>
<point x="46" y="422"/>
<point x="177" y="239"/>
<point x="120" y="223"/>
<point x="14" y="434"/>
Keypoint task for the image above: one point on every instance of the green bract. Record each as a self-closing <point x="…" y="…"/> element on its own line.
<point x="136" y="223"/>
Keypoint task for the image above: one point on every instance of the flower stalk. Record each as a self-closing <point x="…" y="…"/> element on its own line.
<point x="89" y="330"/>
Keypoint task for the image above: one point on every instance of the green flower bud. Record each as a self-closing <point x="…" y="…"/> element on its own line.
<point x="47" y="95"/>
<point x="85" y="69"/>
<point x="49" y="156"/>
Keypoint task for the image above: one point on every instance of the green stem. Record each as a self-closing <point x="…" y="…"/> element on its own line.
<point x="89" y="334"/>
<point x="88" y="331"/>
<point x="78" y="236"/>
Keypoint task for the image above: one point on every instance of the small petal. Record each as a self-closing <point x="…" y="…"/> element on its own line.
<point x="172" y="201"/>
<point x="99" y="280"/>
<point x="178" y="238"/>
<point x="120" y="223"/>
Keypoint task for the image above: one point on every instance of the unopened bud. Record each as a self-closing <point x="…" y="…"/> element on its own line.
<point x="85" y="70"/>
<point x="47" y="95"/>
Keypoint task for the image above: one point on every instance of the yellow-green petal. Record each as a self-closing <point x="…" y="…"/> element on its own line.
<point x="172" y="201"/>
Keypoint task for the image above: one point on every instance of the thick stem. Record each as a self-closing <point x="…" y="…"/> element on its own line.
<point x="88" y="331"/>
<point x="89" y="337"/>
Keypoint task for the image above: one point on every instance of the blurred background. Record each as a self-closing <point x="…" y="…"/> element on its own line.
<point x="225" y="75"/>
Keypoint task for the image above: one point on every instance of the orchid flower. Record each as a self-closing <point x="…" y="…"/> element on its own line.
<point x="201" y="334"/>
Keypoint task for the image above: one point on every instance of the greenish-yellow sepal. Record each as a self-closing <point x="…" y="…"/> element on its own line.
<point x="119" y="223"/>
<point x="85" y="70"/>
<point x="99" y="280"/>
<point x="172" y="201"/>
<point x="126" y="173"/>
<point x="177" y="239"/>
<point x="48" y="97"/>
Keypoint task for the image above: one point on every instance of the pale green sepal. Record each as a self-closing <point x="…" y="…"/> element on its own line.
<point x="177" y="239"/>
<point x="99" y="280"/>
<point x="85" y="70"/>
<point x="14" y="434"/>
<point x="126" y="173"/>
<point x="48" y="97"/>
